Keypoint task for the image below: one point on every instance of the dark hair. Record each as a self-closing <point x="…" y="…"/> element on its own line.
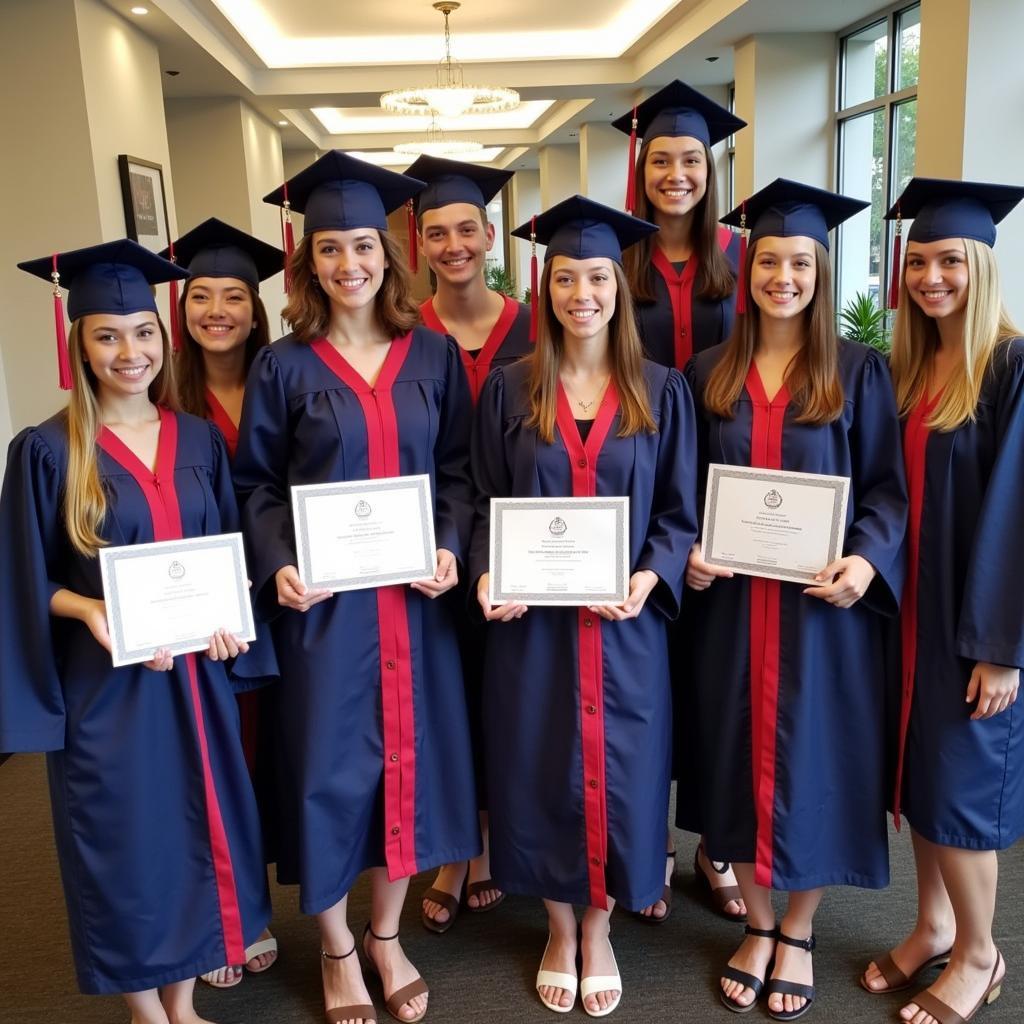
<point x="715" y="279"/>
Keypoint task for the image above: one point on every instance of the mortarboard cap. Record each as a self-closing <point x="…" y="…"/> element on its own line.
<point x="454" y="181"/>
<point x="114" y="277"/>
<point x="216" y="249"/>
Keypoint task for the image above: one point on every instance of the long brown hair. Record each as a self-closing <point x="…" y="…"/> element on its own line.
<point x="812" y="377"/>
<point x="189" y="366"/>
<point x="308" y="309"/>
<point x="85" y="500"/>
<point x="625" y="354"/>
<point x="715" y="279"/>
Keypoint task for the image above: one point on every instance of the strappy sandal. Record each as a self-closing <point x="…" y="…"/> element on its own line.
<point x="751" y="981"/>
<point x="945" y="1014"/>
<point x="449" y="902"/>
<point x="478" y="889"/>
<point x="895" y="979"/>
<point x="666" y="897"/>
<point x="356" y="1011"/>
<point x="778" y="986"/>
<point x="394" y="1002"/>
<point x="724" y="895"/>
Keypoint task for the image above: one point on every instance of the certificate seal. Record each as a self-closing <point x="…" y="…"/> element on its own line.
<point x="557" y="526"/>
<point x="363" y="508"/>
<point x="176" y="570"/>
<point x="773" y="499"/>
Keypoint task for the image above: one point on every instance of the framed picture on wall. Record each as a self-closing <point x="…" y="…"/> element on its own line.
<point x="145" y="204"/>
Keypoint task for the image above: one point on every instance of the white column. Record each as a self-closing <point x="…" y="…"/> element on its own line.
<point x="559" y="174"/>
<point x="525" y="203"/>
<point x="604" y="158"/>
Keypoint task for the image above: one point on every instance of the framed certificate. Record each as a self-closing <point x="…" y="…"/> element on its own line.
<point x="175" y="594"/>
<point x="364" y="533"/>
<point x="768" y="522"/>
<point x="559" y="551"/>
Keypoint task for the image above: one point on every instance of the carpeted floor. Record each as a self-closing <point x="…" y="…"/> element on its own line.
<point x="483" y="969"/>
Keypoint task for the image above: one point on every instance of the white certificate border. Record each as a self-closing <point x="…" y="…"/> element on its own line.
<point x="840" y="486"/>
<point x="621" y="508"/>
<point x="109" y="557"/>
<point x="419" y="482"/>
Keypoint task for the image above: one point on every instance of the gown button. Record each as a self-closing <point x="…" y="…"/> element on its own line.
<point x="389" y="664"/>
<point x="593" y="783"/>
<point x="395" y="830"/>
<point x="591" y="709"/>
<point x="394" y="757"/>
<point x="588" y="622"/>
<point x="596" y="861"/>
<point x="582" y="463"/>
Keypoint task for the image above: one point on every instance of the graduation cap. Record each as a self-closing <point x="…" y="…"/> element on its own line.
<point x="216" y="249"/>
<point x="582" y="230"/>
<point x="786" y="209"/>
<point x="339" y="192"/>
<point x="114" y="277"/>
<point x="673" y="112"/>
<point x="946" y="208"/>
<point x="454" y="181"/>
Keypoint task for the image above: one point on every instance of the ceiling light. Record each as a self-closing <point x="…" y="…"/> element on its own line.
<point x="450" y="96"/>
<point x="140" y="10"/>
<point x="435" y="144"/>
<point x="283" y="124"/>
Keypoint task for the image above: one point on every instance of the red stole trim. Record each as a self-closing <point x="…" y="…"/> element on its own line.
<point x="478" y="368"/>
<point x="583" y="462"/>
<point x="159" y="491"/>
<point x="915" y="445"/>
<point x="765" y="611"/>
<point x="680" y="293"/>
<point x="396" y="682"/>
<point x="224" y="423"/>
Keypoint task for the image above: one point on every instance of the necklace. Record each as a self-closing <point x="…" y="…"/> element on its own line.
<point x="586" y="406"/>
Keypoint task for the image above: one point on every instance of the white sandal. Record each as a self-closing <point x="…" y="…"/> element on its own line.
<point x="556" y="979"/>
<point x="261" y="948"/>
<point x="602" y="983"/>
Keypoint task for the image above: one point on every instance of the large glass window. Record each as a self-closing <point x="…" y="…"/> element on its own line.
<point x="877" y="133"/>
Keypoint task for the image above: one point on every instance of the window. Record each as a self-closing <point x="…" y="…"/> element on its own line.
<point x="876" y="138"/>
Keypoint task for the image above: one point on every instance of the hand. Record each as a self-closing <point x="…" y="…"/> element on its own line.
<point x="640" y="585"/>
<point x="699" y="574"/>
<point x="94" y="615"/>
<point x="293" y="593"/>
<point x="852" y="577"/>
<point x="161" y="661"/>
<point x="224" y="645"/>
<point x="496" y="612"/>
<point x="994" y="687"/>
<point x="445" y="576"/>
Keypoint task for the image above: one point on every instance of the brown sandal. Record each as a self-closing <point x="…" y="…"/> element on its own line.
<point x="357" y="1011"/>
<point x="448" y="901"/>
<point x="722" y="896"/>
<point x="666" y="898"/>
<point x="945" y="1014"/>
<point x="398" y="999"/>
<point x="895" y="979"/>
<point x="476" y="889"/>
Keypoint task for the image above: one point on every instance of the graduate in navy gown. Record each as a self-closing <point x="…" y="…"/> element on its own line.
<point x="958" y="368"/>
<point x="491" y="329"/>
<point x="789" y="693"/>
<point x="577" y="704"/>
<point x="683" y="282"/>
<point x="374" y="744"/>
<point x="155" y="822"/>
<point x="225" y="325"/>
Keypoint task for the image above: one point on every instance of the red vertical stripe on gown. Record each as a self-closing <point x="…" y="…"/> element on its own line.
<point x="223" y="422"/>
<point x="396" y="682"/>
<point x="162" y="498"/>
<point x="915" y="446"/>
<point x="765" y="611"/>
<point x="583" y="463"/>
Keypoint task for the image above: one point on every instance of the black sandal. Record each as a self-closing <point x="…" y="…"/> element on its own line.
<point x="750" y="981"/>
<point x="360" y="1011"/>
<point x="776" y="986"/>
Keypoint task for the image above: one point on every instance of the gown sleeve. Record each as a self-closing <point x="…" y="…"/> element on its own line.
<point x="258" y="666"/>
<point x="673" y="523"/>
<point x="32" y="714"/>
<point x="454" y="502"/>
<point x="991" y="626"/>
<point x="879" y="487"/>
<point x="260" y="473"/>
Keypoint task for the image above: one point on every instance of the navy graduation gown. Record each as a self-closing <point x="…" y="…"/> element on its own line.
<point x="374" y="745"/>
<point x="788" y="691"/>
<point x="577" y="710"/>
<point x="679" y="323"/>
<point x="155" y="822"/>
<point x="962" y="781"/>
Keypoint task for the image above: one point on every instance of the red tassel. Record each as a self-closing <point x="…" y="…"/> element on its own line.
<point x="533" y="279"/>
<point x="172" y="291"/>
<point x="741" y="284"/>
<point x="897" y="253"/>
<point x="287" y="239"/>
<point x="64" y="378"/>
<point x="414" y="256"/>
<point x="631" y="172"/>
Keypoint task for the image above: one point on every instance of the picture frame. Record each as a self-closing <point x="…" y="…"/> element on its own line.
<point x="145" y="202"/>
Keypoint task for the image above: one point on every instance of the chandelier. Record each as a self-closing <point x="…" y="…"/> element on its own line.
<point x="450" y="96"/>
<point x="435" y="144"/>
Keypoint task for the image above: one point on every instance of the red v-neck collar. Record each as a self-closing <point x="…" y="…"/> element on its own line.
<point x="755" y="388"/>
<point x="222" y="420"/>
<point x="348" y="374"/>
<point x="583" y="456"/>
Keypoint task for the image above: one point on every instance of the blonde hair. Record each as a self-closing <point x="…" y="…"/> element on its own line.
<point x="625" y="354"/>
<point x="915" y="338"/>
<point x="85" y="500"/>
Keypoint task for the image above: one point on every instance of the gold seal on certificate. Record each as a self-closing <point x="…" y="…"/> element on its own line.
<point x="175" y="594"/>
<point x="772" y="523"/>
<point x="559" y="551"/>
<point x="364" y="533"/>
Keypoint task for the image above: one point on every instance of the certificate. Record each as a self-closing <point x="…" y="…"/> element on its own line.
<point x="364" y="533"/>
<point x="559" y="551"/>
<point x="175" y="594"/>
<point x="768" y="522"/>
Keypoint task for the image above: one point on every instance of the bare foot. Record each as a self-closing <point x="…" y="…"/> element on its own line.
<point x="753" y="957"/>
<point x="791" y="964"/>
<point x="960" y="986"/>
<point x="343" y="983"/>
<point x="720" y="875"/>
<point x="479" y="870"/>
<point x="924" y="942"/>
<point x="560" y="956"/>
<point x="659" y="908"/>
<point x="396" y="972"/>
<point x="598" y="960"/>
<point x="449" y="879"/>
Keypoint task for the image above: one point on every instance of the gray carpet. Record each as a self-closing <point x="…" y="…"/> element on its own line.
<point x="483" y="969"/>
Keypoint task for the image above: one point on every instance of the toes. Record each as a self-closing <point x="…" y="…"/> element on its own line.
<point x="565" y="999"/>
<point x="733" y="908"/>
<point x="909" y="1012"/>
<point x="473" y="901"/>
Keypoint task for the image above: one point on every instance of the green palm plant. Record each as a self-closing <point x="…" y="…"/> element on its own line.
<point x="861" y="320"/>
